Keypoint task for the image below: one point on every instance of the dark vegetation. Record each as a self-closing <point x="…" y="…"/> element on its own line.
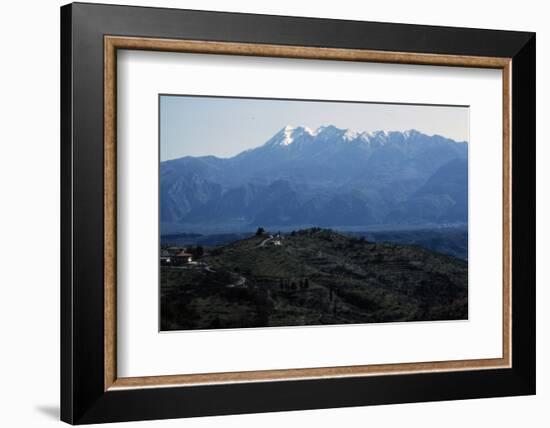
<point x="311" y="277"/>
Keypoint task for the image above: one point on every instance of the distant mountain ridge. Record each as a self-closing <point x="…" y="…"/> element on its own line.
<point x="326" y="177"/>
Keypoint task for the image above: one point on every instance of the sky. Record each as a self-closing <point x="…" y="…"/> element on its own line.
<point x="224" y="127"/>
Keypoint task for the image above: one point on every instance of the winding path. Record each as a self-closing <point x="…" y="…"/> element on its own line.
<point x="265" y="241"/>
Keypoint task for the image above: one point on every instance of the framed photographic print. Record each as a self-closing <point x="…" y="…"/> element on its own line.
<point x="265" y="213"/>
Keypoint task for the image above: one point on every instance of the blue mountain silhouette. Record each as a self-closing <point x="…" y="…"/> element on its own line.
<point x="326" y="177"/>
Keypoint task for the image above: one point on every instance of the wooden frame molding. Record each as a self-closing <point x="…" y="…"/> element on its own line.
<point x="113" y="43"/>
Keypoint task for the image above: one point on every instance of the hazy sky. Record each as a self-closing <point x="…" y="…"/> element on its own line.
<point x="223" y="127"/>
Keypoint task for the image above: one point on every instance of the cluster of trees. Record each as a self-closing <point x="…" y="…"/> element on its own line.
<point x="197" y="252"/>
<point x="291" y="284"/>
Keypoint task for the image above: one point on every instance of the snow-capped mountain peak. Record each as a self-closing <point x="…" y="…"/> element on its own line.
<point x="328" y="176"/>
<point x="350" y="134"/>
<point x="289" y="135"/>
<point x="410" y="133"/>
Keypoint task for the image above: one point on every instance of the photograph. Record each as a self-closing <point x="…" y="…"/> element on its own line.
<point x="287" y="212"/>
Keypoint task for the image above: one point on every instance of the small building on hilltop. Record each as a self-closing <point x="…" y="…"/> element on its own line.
<point x="183" y="257"/>
<point x="175" y="256"/>
<point x="174" y="250"/>
<point x="165" y="257"/>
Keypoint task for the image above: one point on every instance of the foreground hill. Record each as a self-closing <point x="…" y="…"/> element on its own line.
<point x="312" y="277"/>
<point x="329" y="177"/>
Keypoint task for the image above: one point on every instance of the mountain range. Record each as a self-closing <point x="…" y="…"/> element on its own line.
<point x="327" y="177"/>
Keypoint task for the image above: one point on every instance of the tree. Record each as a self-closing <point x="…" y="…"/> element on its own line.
<point x="260" y="231"/>
<point x="199" y="251"/>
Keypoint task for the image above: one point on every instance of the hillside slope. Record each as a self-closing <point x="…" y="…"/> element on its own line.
<point x="312" y="277"/>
